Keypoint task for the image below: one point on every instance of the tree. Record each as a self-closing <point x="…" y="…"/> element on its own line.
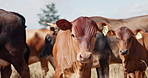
<point x="49" y="15"/>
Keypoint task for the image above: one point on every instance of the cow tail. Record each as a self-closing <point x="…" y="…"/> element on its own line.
<point x="27" y="54"/>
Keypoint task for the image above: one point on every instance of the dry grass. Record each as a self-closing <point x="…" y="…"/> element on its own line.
<point x="116" y="71"/>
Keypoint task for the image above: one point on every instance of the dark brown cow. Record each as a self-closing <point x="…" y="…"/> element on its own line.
<point x="36" y="39"/>
<point x="12" y="44"/>
<point x="132" y="23"/>
<point x="73" y="48"/>
<point x="134" y="56"/>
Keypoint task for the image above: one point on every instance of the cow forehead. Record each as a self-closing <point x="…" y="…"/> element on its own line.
<point x="123" y="33"/>
<point x="84" y="26"/>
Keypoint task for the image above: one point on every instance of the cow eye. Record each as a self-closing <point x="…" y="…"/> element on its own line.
<point x="72" y="35"/>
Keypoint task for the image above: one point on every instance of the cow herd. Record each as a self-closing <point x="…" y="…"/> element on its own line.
<point x="74" y="48"/>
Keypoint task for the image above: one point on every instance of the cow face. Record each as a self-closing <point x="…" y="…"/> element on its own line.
<point x="49" y="40"/>
<point x="83" y="32"/>
<point x="47" y="48"/>
<point x="124" y="39"/>
<point x="53" y="27"/>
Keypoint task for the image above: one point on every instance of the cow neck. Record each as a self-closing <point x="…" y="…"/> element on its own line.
<point x="137" y="53"/>
<point x="78" y="70"/>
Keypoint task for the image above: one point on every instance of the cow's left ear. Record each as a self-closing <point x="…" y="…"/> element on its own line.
<point x="138" y="33"/>
<point x="104" y="27"/>
<point x="63" y="24"/>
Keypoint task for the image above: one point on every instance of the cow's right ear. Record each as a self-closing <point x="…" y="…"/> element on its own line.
<point x="104" y="27"/>
<point x="63" y="24"/>
<point x="111" y="33"/>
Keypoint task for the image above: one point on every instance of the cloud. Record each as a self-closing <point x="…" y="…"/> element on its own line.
<point x="70" y="9"/>
<point x="135" y="9"/>
<point x="30" y="8"/>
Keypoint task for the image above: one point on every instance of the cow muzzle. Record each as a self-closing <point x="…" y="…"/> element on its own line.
<point x="123" y="52"/>
<point x="84" y="57"/>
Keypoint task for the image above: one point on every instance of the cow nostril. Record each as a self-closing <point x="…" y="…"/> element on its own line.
<point x="123" y="52"/>
<point x="80" y="56"/>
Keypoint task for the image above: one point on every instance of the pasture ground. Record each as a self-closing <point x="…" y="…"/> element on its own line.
<point x="116" y="71"/>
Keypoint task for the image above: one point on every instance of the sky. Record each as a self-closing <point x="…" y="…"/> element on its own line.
<point x="72" y="9"/>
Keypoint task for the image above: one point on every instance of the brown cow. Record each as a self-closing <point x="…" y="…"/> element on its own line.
<point x="141" y="22"/>
<point x="12" y="44"/>
<point x="132" y="23"/>
<point x="73" y="48"/>
<point x="134" y="56"/>
<point x="36" y="39"/>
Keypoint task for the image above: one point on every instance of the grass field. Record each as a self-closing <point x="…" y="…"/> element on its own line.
<point x="116" y="71"/>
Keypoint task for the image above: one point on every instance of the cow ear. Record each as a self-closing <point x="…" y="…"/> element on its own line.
<point x="104" y="27"/>
<point x="138" y="33"/>
<point x="64" y="24"/>
<point x="111" y="33"/>
<point x="139" y="30"/>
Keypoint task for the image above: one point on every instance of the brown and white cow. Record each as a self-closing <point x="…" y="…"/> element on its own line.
<point x="134" y="56"/>
<point x="73" y="48"/>
<point x="37" y="41"/>
<point x="12" y="44"/>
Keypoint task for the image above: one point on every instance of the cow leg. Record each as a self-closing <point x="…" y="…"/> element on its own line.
<point x="104" y="68"/>
<point x="27" y="53"/>
<point x="58" y="73"/>
<point x="44" y="67"/>
<point x="97" y="70"/>
<point x="16" y="60"/>
<point x="21" y="67"/>
<point x="131" y="75"/>
<point x="51" y="60"/>
<point x="125" y="74"/>
<point x="6" y="72"/>
<point x="140" y="74"/>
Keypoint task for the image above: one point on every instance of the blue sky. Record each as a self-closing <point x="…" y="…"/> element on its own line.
<point x="72" y="9"/>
